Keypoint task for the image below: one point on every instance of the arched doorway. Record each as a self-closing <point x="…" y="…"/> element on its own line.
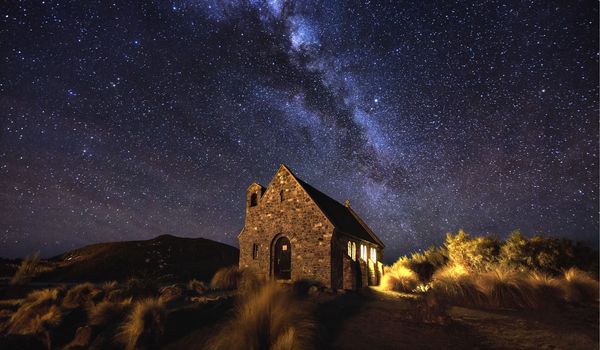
<point x="282" y="259"/>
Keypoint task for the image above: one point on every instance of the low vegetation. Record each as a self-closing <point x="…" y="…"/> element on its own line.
<point x="268" y="318"/>
<point x="27" y="270"/>
<point x="144" y="326"/>
<point x="518" y="273"/>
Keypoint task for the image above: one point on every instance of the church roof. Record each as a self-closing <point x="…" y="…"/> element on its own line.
<point x="341" y="216"/>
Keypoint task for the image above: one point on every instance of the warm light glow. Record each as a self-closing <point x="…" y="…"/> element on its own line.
<point x="363" y="252"/>
<point x="374" y="254"/>
<point x="353" y="251"/>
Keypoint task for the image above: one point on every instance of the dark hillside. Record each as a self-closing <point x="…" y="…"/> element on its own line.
<point x="165" y="257"/>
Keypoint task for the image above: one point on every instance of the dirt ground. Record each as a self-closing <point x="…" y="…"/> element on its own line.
<point x="385" y="320"/>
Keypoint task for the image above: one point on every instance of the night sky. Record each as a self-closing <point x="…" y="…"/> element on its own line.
<point x="128" y="120"/>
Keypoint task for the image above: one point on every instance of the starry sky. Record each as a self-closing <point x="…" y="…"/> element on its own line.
<point x="127" y="119"/>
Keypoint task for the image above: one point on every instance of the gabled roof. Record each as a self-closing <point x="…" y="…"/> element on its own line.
<point x="342" y="217"/>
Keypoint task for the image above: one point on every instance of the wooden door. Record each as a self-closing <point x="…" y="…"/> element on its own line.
<point x="282" y="259"/>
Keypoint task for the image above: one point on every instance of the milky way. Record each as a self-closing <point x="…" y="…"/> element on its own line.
<point x="130" y="120"/>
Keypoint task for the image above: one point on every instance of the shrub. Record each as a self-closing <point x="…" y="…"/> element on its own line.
<point x="26" y="270"/>
<point x="197" y="286"/>
<point x="399" y="278"/>
<point x="80" y="295"/>
<point x="144" y="325"/>
<point x="108" y="312"/>
<point x="269" y="318"/>
<point x="476" y="254"/>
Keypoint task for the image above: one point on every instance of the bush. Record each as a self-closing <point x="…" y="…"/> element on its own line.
<point x="269" y="318"/>
<point x="476" y="254"/>
<point x="144" y="325"/>
<point x="26" y="270"/>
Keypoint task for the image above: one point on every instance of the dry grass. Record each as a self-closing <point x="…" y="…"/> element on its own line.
<point x="26" y="270"/>
<point x="505" y="288"/>
<point x="80" y="295"/>
<point x="144" y="325"/>
<point x="170" y="293"/>
<point x="229" y="278"/>
<point x="399" y="278"/>
<point x="269" y="318"/>
<point x="37" y="315"/>
<point x="197" y="286"/>
<point x="579" y="287"/>
<point x="108" y="312"/>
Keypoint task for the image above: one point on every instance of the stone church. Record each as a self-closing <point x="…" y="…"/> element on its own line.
<point x="295" y="232"/>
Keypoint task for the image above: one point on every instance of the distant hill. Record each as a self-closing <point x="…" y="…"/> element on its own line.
<point x="165" y="257"/>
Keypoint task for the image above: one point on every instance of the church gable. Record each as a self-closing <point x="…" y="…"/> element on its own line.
<point x="293" y="231"/>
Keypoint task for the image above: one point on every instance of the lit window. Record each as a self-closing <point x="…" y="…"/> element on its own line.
<point x="363" y="252"/>
<point x="349" y="249"/>
<point x="254" y="251"/>
<point x="374" y="254"/>
<point x="353" y="251"/>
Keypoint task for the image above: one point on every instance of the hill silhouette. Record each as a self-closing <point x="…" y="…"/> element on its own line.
<point x="165" y="257"/>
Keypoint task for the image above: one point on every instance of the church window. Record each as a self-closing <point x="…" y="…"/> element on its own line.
<point x="363" y="252"/>
<point x="349" y="249"/>
<point x="373" y="254"/>
<point x="254" y="251"/>
<point x="281" y="195"/>
<point x="253" y="199"/>
<point x="353" y="251"/>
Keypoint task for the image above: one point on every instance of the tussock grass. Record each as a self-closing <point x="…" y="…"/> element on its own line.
<point x="37" y="315"/>
<point x="144" y="326"/>
<point x="579" y="287"/>
<point x="170" y="293"/>
<point x="268" y="318"/>
<point x="399" y="278"/>
<point x="108" y="312"/>
<point x="27" y="270"/>
<point x="229" y="278"/>
<point x="197" y="286"/>
<point x="80" y="295"/>
<point x="506" y="288"/>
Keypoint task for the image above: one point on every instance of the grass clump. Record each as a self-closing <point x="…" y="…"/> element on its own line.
<point x="80" y="295"/>
<point x="579" y="286"/>
<point x="229" y="278"/>
<point x="27" y="270"/>
<point x="268" y="318"/>
<point x="170" y="293"/>
<point x="399" y="278"/>
<point x="197" y="286"/>
<point x="107" y="312"/>
<point x="144" y="326"/>
<point x="37" y="315"/>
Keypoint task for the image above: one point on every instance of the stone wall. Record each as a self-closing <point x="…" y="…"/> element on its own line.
<point x="296" y="217"/>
